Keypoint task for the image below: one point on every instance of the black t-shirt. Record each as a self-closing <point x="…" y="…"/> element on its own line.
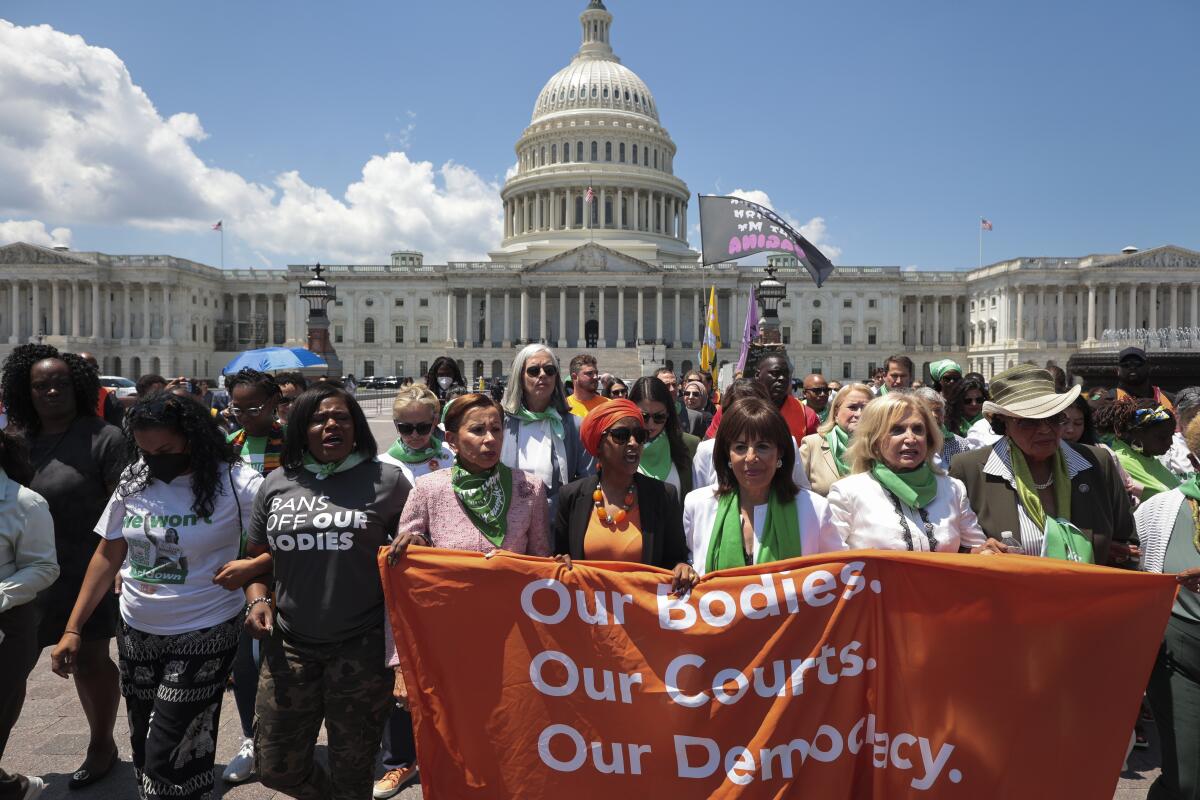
<point x="76" y="471"/>
<point x="325" y="537"/>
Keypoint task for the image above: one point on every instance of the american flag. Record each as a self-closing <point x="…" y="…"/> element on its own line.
<point x="983" y="223"/>
<point x="219" y="226"/>
<point x="590" y="197"/>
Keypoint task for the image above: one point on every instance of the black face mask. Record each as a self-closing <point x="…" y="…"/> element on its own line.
<point x="166" y="467"/>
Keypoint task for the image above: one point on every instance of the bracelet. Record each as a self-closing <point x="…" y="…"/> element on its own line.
<point x="255" y="601"/>
<point x="73" y="633"/>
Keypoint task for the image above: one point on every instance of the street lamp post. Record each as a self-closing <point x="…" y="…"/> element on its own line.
<point x="319" y="293"/>
<point x="770" y="294"/>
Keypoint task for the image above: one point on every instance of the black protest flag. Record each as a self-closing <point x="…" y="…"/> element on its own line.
<point x="731" y="227"/>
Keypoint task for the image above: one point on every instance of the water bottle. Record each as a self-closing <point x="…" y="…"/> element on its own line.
<point x="1010" y="541"/>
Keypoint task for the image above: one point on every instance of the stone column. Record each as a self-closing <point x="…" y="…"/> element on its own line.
<point x="542" y="315"/>
<point x="14" y="296"/>
<point x="524" y="316"/>
<point x="487" y="318"/>
<point x="449" y="315"/>
<point x="1174" y="317"/>
<point x="683" y="215"/>
<point x="36" y="317"/>
<point x="1062" y="313"/>
<point x="658" y="316"/>
<point x="937" y="321"/>
<point x="126" y="301"/>
<point x="1133" y="298"/>
<point x="562" y="316"/>
<point x="601" y="334"/>
<point x="662" y="212"/>
<point x="581" y="341"/>
<point x="97" y="317"/>
<point x="641" y="318"/>
<point x="620" y="316"/>
<point x="1152" y="299"/>
<point x="271" y="321"/>
<point x="603" y="207"/>
<point x="290" y="302"/>
<point x="76" y="326"/>
<point x="55" y="313"/>
<point x="696" y="321"/>
<point x="620" y="208"/>
<point x="1020" y="314"/>
<point x="506" y="339"/>
<point x="1192" y="319"/>
<point x="145" y="314"/>
<point x="954" y="322"/>
<point x="1091" y="312"/>
<point x="637" y="210"/>
<point x="675" y="340"/>
<point x="917" y="316"/>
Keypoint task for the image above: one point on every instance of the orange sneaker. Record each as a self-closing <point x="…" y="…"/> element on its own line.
<point x="393" y="781"/>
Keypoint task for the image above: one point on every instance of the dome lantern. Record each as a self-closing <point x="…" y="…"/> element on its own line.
<point x="597" y="23"/>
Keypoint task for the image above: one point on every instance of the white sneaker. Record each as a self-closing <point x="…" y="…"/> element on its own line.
<point x="241" y="766"/>
<point x="36" y="787"/>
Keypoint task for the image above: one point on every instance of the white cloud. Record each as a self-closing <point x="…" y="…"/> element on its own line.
<point x="33" y="232"/>
<point x="814" y="230"/>
<point x="80" y="141"/>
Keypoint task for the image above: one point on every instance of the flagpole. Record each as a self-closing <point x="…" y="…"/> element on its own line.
<point x="980" y="242"/>
<point x="222" y="245"/>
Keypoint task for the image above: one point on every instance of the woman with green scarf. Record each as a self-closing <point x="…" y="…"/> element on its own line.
<point x="1168" y="527"/>
<point x="419" y="448"/>
<point x="1142" y="430"/>
<point x="755" y="514"/>
<point x="895" y="498"/>
<point x="946" y="375"/>
<point x="1035" y="492"/>
<point x="824" y="452"/>
<point x="669" y="452"/>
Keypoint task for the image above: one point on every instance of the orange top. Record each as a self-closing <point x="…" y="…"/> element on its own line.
<point x="604" y="542"/>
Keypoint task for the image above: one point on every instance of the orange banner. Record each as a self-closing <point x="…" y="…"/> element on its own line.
<point x="861" y="674"/>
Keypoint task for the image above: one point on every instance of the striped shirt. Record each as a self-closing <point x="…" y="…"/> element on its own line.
<point x="999" y="463"/>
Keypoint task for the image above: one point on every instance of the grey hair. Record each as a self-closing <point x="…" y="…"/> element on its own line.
<point x="514" y="392"/>
<point x="1187" y="402"/>
<point x="927" y="394"/>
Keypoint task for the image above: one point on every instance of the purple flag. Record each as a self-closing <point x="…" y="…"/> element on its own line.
<point x="749" y="331"/>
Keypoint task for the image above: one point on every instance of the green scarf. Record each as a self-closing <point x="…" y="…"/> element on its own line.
<point x="947" y="434"/>
<point x="780" y="539"/>
<point x="485" y="496"/>
<point x="823" y="414"/>
<point x="549" y="415"/>
<point x="656" y="458"/>
<point x="883" y="389"/>
<point x="916" y="488"/>
<point x="323" y="471"/>
<point x="838" y="440"/>
<point x="1146" y="470"/>
<point x="1191" y="487"/>
<point x="1027" y="494"/>
<point x="402" y="452"/>
<point x="964" y="424"/>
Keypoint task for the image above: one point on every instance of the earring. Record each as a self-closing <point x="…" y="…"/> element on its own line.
<point x="1137" y="446"/>
<point x="779" y="463"/>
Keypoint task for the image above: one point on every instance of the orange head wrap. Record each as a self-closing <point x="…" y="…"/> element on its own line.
<point x="602" y="417"/>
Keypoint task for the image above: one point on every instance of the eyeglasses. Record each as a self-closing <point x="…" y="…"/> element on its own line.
<point x="284" y="400"/>
<point x="693" y="394"/>
<point x="619" y="393"/>
<point x="252" y="411"/>
<point x="818" y="390"/>
<point x="1031" y="425"/>
<point x="549" y="370"/>
<point x="408" y="429"/>
<point x="622" y="435"/>
<point x="659" y="419"/>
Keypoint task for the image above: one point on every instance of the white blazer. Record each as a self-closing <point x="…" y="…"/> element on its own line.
<point x="817" y="533"/>
<point x="866" y="517"/>
<point x="703" y="473"/>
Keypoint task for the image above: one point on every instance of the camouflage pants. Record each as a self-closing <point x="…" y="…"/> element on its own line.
<point x="173" y="687"/>
<point x="347" y="686"/>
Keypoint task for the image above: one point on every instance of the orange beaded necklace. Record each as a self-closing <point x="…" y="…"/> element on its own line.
<point x="622" y="513"/>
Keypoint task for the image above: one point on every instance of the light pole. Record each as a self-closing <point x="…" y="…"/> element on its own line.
<point x="319" y="293"/>
<point x="770" y="294"/>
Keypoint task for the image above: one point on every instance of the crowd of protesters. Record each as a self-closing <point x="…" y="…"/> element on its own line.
<point x="233" y="538"/>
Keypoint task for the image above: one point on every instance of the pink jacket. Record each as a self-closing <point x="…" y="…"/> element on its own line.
<point x="433" y="510"/>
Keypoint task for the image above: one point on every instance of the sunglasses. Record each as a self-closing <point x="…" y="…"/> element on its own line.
<point x="620" y="392"/>
<point x="408" y="429"/>
<point x="1030" y="425"/>
<point x="541" y="369"/>
<point x="622" y="435"/>
<point x="659" y="419"/>
<point x="820" y="390"/>
<point x="693" y="394"/>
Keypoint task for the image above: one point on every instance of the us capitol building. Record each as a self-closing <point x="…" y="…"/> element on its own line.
<point x="615" y="277"/>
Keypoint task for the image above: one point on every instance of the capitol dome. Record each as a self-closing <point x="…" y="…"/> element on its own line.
<point x="595" y="163"/>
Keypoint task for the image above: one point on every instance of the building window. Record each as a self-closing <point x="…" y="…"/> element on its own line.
<point x="621" y="152"/>
<point x="816" y="303"/>
<point x="579" y="151"/>
<point x="206" y="333"/>
<point x="816" y="368"/>
<point x="645" y="157"/>
<point x="566" y="152"/>
<point x="847" y="302"/>
<point x="399" y="302"/>
<point x="369" y="331"/>
<point x="635" y="154"/>
<point x="608" y="151"/>
<point x="816" y="331"/>
<point x="399" y="334"/>
<point x="872" y="303"/>
<point x="368" y="368"/>
<point x="424" y="367"/>
<point x="337" y="334"/>
<point x="656" y="159"/>
<point x="872" y="335"/>
<point x="786" y="335"/>
<point x="193" y="332"/>
<point x="847" y="335"/>
<point x="553" y="154"/>
<point x="846" y="370"/>
<point x="399" y="369"/>
<point x="595" y="151"/>
<point x="424" y="335"/>
<point x="423" y="302"/>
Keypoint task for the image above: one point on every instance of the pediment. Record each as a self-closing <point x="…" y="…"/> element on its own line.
<point x="1166" y="257"/>
<point x="25" y="253"/>
<point x="592" y="258"/>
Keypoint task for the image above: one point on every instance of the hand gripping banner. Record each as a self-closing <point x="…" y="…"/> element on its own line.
<point x="864" y="674"/>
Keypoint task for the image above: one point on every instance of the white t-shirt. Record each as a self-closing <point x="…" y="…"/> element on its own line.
<point x="167" y="585"/>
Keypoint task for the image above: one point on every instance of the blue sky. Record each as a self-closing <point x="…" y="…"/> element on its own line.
<point x="1071" y="125"/>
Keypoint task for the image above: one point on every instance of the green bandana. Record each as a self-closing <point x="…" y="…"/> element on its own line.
<point x="402" y="452"/>
<point x="780" y="539"/>
<point x="838" y="440"/>
<point x="323" y="471"/>
<point x="883" y="389"/>
<point x="1191" y="487"/>
<point x="656" y="458"/>
<point x="964" y="425"/>
<point x="916" y="488"/>
<point x="1027" y="494"/>
<point x="947" y="435"/>
<point x="485" y="496"/>
<point x="549" y="415"/>
<point x="823" y="414"/>
<point x="1144" y="469"/>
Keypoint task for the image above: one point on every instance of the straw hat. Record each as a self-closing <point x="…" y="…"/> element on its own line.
<point x="1027" y="391"/>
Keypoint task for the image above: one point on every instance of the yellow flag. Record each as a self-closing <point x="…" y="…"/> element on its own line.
<point x="712" y="337"/>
